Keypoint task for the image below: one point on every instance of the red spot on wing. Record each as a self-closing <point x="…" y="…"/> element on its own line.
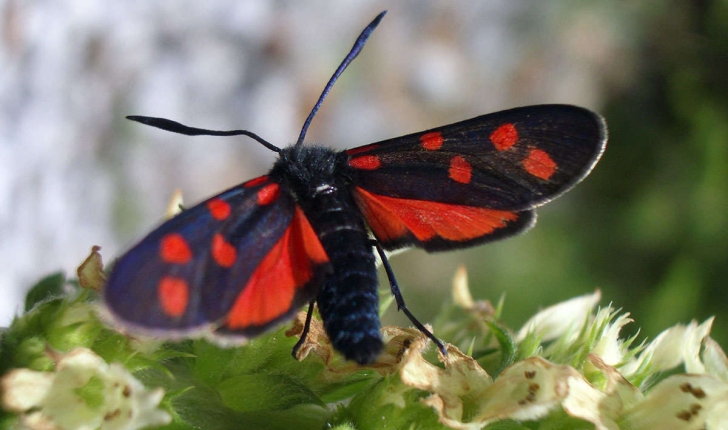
<point x="223" y="253"/>
<point x="431" y="141"/>
<point x="174" y="295"/>
<point x="360" y="149"/>
<point x="288" y="267"/>
<point x="391" y="218"/>
<point x="219" y="209"/>
<point x="255" y="182"/>
<point x="174" y="249"/>
<point x="365" y="162"/>
<point x="268" y="194"/>
<point x="504" y="137"/>
<point x="539" y="164"/>
<point x="460" y="170"/>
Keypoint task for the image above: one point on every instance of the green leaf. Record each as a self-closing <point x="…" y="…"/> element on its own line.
<point x="507" y="345"/>
<point x="46" y="288"/>
<point x="389" y="404"/>
<point x="202" y="408"/>
<point x="264" y="392"/>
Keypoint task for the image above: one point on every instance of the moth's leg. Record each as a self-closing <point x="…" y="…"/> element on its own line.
<point x="394" y="287"/>
<point x="306" y="328"/>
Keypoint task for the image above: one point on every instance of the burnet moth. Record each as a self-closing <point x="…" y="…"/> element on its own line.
<point x="250" y="257"/>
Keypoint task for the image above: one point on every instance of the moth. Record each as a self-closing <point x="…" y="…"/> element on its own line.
<point x="307" y="232"/>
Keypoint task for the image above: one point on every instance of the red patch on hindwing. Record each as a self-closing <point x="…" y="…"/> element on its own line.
<point x="460" y="170"/>
<point x="219" y="209"/>
<point x="268" y="194"/>
<point x="432" y="141"/>
<point x="360" y="149"/>
<point x="173" y="294"/>
<point x="539" y="164"/>
<point x="287" y="267"/>
<point x="174" y="249"/>
<point x="223" y="253"/>
<point x="255" y="182"/>
<point x="392" y="218"/>
<point x="504" y="136"/>
<point x="365" y="162"/>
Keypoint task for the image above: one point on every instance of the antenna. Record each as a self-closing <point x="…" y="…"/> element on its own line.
<point x="175" y="127"/>
<point x="358" y="45"/>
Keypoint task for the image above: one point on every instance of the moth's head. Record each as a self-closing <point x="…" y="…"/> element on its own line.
<point x="307" y="169"/>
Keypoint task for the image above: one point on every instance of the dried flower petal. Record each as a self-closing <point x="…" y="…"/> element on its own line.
<point x="527" y="390"/>
<point x="316" y="342"/>
<point x="460" y="289"/>
<point x="91" y="272"/>
<point x="462" y="376"/>
<point x="175" y="204"/>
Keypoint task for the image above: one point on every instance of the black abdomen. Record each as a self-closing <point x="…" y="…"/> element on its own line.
<point x="348" y="299"/>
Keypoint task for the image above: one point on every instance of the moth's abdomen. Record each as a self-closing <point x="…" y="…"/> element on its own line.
<point x="348" y="300"/>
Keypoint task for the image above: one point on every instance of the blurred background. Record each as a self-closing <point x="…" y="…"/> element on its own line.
<point x="648" y="227"/>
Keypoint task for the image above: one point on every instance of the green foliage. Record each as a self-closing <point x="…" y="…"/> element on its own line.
<point x="261" y="385"/>
<point x="47" y="288"/>
<point x="663" y="183"/>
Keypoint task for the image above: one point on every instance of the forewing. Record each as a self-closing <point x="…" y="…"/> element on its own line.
<point x="476" y="180"/>
<point x="511" y="160"/>
<point x="193" y="272"/>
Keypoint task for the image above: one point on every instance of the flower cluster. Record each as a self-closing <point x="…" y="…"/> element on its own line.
<point x="568" y="367"/>
<point x="571" y="359"/>
<point x="84" y="392"/>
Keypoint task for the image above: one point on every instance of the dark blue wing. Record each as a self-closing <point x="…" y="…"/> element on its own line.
<point x="188" y="274"/>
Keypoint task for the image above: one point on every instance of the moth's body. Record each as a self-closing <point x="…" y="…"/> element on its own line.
<point x="347" y="299"/>
<point x="247" y="259"/>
